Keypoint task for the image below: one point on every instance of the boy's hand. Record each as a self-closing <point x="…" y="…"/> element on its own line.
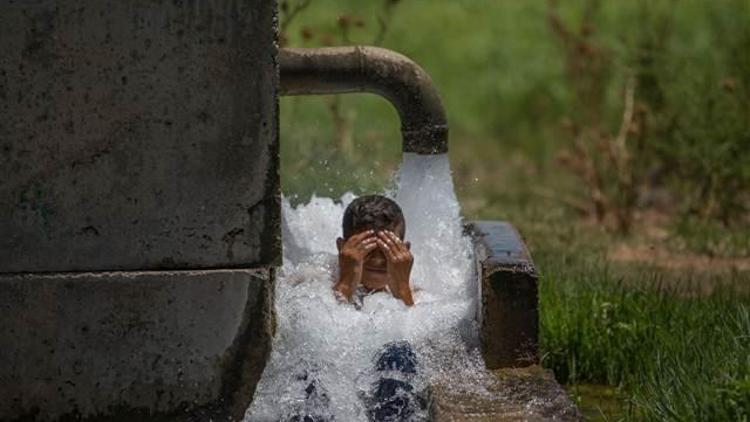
<point x="400" y="261"/>
<point x="351" y="258"/>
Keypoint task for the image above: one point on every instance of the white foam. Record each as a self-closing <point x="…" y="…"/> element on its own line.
<point x="337" y="342"/>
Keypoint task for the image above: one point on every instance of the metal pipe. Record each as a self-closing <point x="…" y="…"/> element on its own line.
<point x="338" y="70"/>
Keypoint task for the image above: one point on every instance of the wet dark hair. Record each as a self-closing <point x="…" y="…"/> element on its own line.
<point x="373" y="212"/>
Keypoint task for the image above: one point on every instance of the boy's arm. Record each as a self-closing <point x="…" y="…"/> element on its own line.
<point x="403" y="292"/>
<point x="351" y="257"/>
<point x="400" y="261"/>
<point x="344" y="287"/>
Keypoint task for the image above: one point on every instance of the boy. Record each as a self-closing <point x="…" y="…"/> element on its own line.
<point x="372" y="254"/>
<point x="373" y="257"/>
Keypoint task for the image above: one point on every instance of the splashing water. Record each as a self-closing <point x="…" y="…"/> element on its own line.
<point x="336" y="342"/>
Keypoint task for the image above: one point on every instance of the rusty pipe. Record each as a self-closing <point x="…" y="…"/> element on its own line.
<point x="339" y="70"/>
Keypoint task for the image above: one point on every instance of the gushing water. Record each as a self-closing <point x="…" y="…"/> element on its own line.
<point x="334" y="343"/>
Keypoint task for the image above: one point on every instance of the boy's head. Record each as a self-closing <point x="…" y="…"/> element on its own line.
<point x="373" y="212"/>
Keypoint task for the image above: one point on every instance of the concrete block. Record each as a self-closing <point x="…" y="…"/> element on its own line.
<point x="178" y="345"/>
<point x="138" y="135"/>
<point x="508" y="290"/>
<point x="516" y="394"/>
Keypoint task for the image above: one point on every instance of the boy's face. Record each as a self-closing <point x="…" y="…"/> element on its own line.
<point x="375" y="265"/>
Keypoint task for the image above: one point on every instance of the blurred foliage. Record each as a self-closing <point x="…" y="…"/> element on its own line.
<point x="712" y="238"/>
<point x="606" y="108"/>
<point x="700" y="108"/>
<point x="605" y="160"/>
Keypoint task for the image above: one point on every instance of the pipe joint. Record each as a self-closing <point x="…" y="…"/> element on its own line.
<point x="339" y="70"/>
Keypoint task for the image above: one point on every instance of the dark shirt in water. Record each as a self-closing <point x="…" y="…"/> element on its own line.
<point x="391" y="399"/>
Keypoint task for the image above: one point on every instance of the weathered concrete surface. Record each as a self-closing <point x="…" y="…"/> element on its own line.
<point x="519" y="394"/>
<point x="133" y="346"/>
<point x="520" y="390"/>
<point x="138" y="135"/>
<point x="508" y="289"/>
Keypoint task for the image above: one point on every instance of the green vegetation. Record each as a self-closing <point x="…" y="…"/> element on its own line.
<point x="591" y="126"/>
<point x="678" y="357"/>
<point x="553" y="83"/>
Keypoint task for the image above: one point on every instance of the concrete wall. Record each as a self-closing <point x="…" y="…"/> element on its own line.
<point x="509" y="308"/>
<point x="133" y="345"/>
<point x="139" y="207"/>
<point x="138" y="135"/>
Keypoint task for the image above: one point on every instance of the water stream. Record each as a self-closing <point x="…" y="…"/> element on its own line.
<point x="335" y="344"/>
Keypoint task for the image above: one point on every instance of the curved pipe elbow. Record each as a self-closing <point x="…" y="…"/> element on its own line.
<point x="338" y="70"/>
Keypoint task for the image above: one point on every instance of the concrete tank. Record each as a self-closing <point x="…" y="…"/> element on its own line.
<point x="139" y="206"/>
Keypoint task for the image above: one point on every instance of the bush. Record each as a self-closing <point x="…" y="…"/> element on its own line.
<point x="698" y="100"/>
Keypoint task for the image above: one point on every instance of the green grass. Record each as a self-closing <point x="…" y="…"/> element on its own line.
<point x="674" y="353"/>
